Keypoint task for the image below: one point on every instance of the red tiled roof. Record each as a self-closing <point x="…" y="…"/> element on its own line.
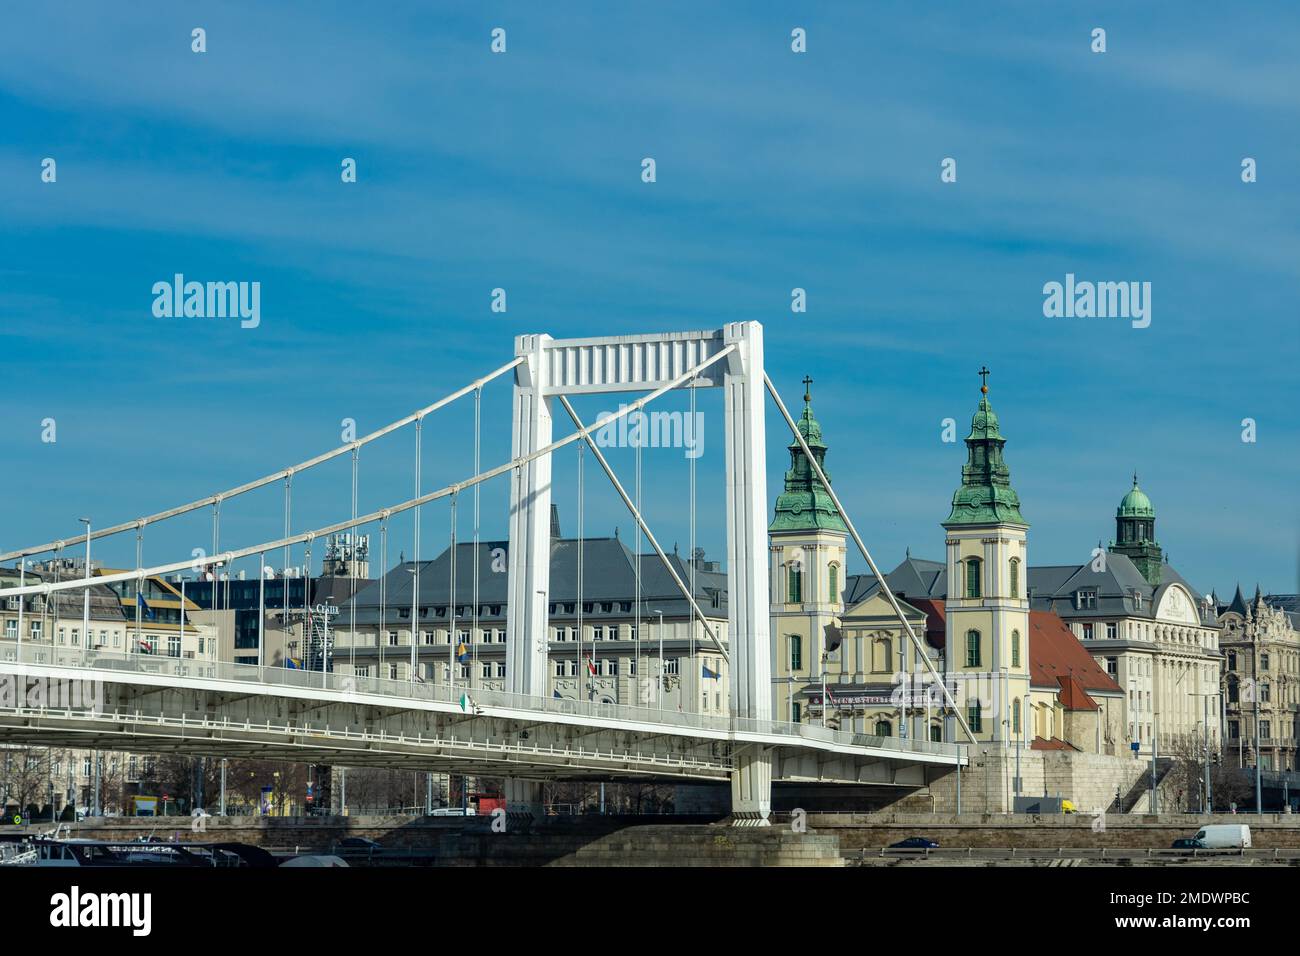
<point x="1054" y="744"/>
<point x="1056" y="658"/>
<point x="1072" y="695"/>
<point x="935" y="624"/>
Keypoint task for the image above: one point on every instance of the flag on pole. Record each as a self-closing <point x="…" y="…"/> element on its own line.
<point x="462" y="653"/>
<point x="591" y="667"/>
<point x="293" y="663"/>
<point x="143" y="605"/>
<point x="710" y="675"/>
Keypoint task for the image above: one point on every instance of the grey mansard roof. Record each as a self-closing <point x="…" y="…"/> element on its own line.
<point x="1051" y="587"/>
<point x="608" y="576"/>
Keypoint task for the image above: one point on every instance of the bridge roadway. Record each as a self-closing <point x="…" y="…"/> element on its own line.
<point x="157" y="704"/>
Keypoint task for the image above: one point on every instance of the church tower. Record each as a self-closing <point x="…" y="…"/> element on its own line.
<point x="987" y="608"/>
<point x="1135" y="534"/>
<point x="806" y="570"/>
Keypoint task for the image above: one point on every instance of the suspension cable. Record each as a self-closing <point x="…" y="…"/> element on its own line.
<point x="582" y="434"/>
<point x="381" y="637"/>
<point x="415" y="557"/>
<point x="283" y="473"/>
<point x="451" y="596"/>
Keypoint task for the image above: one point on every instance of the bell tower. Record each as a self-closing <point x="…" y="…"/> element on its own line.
<point x="806" y="540"/>
<point x="987" y="608"/>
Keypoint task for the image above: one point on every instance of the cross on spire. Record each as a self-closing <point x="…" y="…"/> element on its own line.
<point x="807" y="389"/>
<point x="984" y="378"/>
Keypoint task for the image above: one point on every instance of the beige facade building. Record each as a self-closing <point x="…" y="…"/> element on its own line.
<point x="1261" y="682"/>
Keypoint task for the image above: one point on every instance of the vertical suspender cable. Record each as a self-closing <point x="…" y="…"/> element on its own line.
<point x="415" y="562"/>
<point x="692" y="454"/>
<point x="451" y="588"/>
<point x="261" y="612"/>
<point x="139" y="586"/>
<point x="581" y="548"/>
<point x="473" y="626"/>
<point x="381" y="637"/>
<point x="284" y="571"/>
<point x="636" y="562"/>
<point x="352" y="571"/>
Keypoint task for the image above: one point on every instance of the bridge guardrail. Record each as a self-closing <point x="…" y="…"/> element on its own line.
<point x="475" y="699"/>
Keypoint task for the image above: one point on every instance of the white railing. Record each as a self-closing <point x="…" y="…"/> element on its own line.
<point x="44" y="654"/>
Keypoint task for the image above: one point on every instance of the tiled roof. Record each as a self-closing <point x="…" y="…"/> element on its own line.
<point x="1055" y="743"/>
<point x="1055" y="653"/>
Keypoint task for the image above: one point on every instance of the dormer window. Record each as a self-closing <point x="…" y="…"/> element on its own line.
<point x="1085" y="599"/>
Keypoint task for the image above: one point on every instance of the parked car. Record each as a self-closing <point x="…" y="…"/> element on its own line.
<point x="1224" y="836"/>
<point x="914" y="843"/>
<point x="1187" y="843"/>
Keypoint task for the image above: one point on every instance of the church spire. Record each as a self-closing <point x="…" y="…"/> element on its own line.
<point x="804" y="505"/>
<point x="985" y="495"/>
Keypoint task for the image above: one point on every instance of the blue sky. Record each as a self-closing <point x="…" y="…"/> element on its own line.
<point x="775" y="170"/>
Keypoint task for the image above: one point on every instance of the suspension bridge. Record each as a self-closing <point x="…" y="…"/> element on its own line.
<point x="165" y="704"/>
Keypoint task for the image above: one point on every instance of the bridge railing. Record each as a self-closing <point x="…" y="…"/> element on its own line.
<point x="471" y="700"/>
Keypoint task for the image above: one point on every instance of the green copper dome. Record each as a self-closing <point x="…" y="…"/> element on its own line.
<point x="804" y="505"/>
<point x="985" y="495"/>
<point x="1135" y="504"/>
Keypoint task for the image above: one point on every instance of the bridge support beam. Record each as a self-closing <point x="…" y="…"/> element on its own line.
<point x="747" y="605"/>
<point x="530" y="524"/>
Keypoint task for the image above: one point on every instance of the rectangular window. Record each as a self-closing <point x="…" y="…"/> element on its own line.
<point x="835" y="584"/>
<point x="797" y="711"/>
<point x="796" y="587"/>
<point x="501" y="668"/>
<point x="972" y="577"/>
<point x="1112" y="666"/>
<point x="363" y="670"/>
<point x="1234" y="729"/>
<point x="796" y="652"/>
<point x="392" y="672"/>
<point x="36" y="630"/>
<point x="972" y="648"/>
<point x="486" y="668"/>
<point x="1112" y="630"/>
<point x="392" y="638"/>
<point x="974" y="717"/>
<point x="672" y="665"/>
<point x="11" y="630"/>
<point x="559" y="668"/>
<point x="1087" y="631"/>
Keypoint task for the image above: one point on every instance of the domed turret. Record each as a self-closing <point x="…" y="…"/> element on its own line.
<point x="1135" y="533"/>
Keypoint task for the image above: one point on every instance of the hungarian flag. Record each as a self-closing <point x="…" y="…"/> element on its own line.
<point x="591" y="667"/>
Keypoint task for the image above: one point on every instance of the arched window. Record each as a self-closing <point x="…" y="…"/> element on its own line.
<point x="883" y="728"/>
<point x="936" y="733"/>
<point x="972" y="577"/>
<point x="972" y="648"/>
<point x="835" y="584"/>
<point x="1015" y="577"/>
<point x="1015" y="716"/>
<point x="1015" y="648"/>
<point x="795" y="595"/>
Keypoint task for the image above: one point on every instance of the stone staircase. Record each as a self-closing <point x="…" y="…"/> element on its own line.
<point x="1138" y="798"/>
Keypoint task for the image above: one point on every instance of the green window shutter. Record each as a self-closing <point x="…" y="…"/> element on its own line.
<point x="972" y="648"/>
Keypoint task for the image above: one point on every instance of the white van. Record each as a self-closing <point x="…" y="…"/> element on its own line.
<point x="1226" y="836"/>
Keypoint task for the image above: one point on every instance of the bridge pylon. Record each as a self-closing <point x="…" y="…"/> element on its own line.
<point x="730" y="358"/>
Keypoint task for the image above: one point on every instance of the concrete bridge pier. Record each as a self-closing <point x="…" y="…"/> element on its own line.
<point x="751" y="787"/>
